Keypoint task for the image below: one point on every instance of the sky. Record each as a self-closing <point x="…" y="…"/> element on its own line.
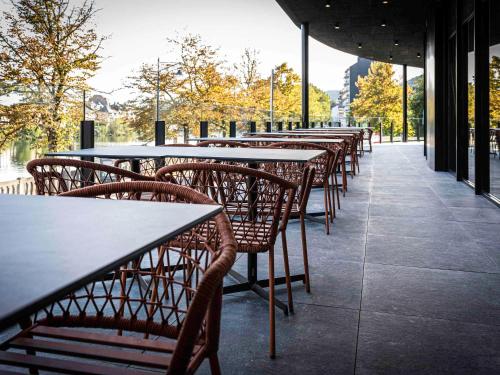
<point x="137" y="32"/>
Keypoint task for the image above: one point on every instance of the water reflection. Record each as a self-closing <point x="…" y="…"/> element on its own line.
<point x="13" y="160"/>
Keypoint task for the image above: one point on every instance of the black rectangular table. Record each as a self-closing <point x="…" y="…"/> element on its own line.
<point x="271" y="139"/>
<point x="241" y="155"/>
<point x="51" y="246"/>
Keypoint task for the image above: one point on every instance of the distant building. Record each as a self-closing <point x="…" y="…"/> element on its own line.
<point x="334" y="97"/>
<point x="350" y="90"/>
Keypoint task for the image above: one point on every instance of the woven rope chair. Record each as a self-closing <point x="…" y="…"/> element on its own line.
<point x="148" y="167"/>
<point x="171" y="324"/>
<point x="222" y="143"/>
<point x="54" y="176"/>
<point x="323" y="166"/>
<point x="254" y="201"/>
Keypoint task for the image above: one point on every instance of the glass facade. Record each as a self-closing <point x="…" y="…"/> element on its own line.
<point x="470" y="100"/>
<point x="494" y="99"/>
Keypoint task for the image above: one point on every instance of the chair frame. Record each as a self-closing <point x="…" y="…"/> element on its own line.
<point x="208" y="178"/>
<point x="50" y="181"/>
<point x="193" y="338"/>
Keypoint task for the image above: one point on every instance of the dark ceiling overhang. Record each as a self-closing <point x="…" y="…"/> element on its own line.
<point x="360" y="22"/>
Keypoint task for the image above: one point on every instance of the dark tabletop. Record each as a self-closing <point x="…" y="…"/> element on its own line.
<point x="248" y="155"/>
<point x="53" y="245"/>
<point x="340" y="129"/>
<point x="271" y="139"/>
<point x="302" y="133"/>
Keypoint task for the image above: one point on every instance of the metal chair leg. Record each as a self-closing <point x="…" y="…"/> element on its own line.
<point x="287" y="271"/>
<point x="307" y="279"/>
<point x="272" y="315"/>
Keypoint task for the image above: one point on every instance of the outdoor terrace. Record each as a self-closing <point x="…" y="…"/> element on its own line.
<point x="408" y="281"/>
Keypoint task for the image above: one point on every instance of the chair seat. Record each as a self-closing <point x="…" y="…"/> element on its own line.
<point x="109" y="348"/>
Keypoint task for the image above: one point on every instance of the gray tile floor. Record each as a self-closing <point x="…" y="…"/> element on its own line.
<point x="407" y="283"/>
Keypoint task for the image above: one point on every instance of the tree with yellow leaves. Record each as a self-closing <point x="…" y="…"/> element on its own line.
<point x="380" y="96"/>
<point x="48" y="49"/>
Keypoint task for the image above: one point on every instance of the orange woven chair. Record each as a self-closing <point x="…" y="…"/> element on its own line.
<point x="222" y="143"/>
<point x="254" y="201"/>
<point x="171" y="324"/>
<point x="54" y="176"/>
<point x="323" y="166"/>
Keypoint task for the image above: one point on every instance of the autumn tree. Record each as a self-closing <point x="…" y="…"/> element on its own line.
<point x="195" y="86"/>
<point x="207" y="89"/>
<point x="48" y="49"/>
<point x="416" y="104"/>
<point x="380" y="97"/>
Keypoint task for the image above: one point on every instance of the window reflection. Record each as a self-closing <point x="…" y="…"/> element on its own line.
<point x="470" y="98"/>
<point x="494" y="143"/>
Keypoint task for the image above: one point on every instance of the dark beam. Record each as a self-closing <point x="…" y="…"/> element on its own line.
<point x="305" y="74"/>
<point x="405" y="105"/>
<point x="462" y="91"/>
<point x="481" y="108"/>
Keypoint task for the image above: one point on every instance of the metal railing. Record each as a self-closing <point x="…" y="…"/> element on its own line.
<point x="20" y="186"/>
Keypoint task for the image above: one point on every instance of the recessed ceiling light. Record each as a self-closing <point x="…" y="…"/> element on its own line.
<point x="383" y="24"/>
<point x="360" y="45"/>
<point x="396" y="43"/>
<point x="419" y="55"/>
<point x="336" y="26"/>
<point x="390" y="57"/>
<point x="328" y="5"/>
<point x="385" y="2"/>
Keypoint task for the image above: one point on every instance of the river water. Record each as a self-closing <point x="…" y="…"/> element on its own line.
<point x="14" y="159"/>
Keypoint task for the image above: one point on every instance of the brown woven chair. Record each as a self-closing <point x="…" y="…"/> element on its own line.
<point x="222" y="143"/>
<point x="254" y="201"/>
<point x="171" y="324"/>
<point x="148" y="167"/>
<point x="323" y="166"/>
<point x="54" y="176"/>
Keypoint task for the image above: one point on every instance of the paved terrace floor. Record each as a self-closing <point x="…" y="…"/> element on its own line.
<point x="407" y="283"/>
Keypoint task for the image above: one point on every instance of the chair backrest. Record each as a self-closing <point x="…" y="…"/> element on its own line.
<point x="252" y="199"/>
<point x="54" y="176"/>
<point x="222" y="143"/>
<point x="182" y="295"/>
<point x="148" y="167"/>
<point x="323" y="164"/>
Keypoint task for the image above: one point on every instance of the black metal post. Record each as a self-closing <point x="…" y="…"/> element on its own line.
<point x="404" y="136"/>
<point x="481" y="90"/>
<point x="305" y="74"/>
<point x="297" y="125"/>
<point x="87" y="132"/>
<point x="204" y="129"/>
<point x="186" y="133"/>
<point x="392" y="131"/>
<point x="381" y="132"/>
<point x="329" y="124"/>
<point x="232" y="129"/>
<point x="290" y="125"/>
<point x="252" y="126"/>
<point x="462" y="95"/>
<point x="280" y="126"/>
<point x="159" y="133"/>
<point x="313" y="125"/>
<point x="268" y="127"/>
